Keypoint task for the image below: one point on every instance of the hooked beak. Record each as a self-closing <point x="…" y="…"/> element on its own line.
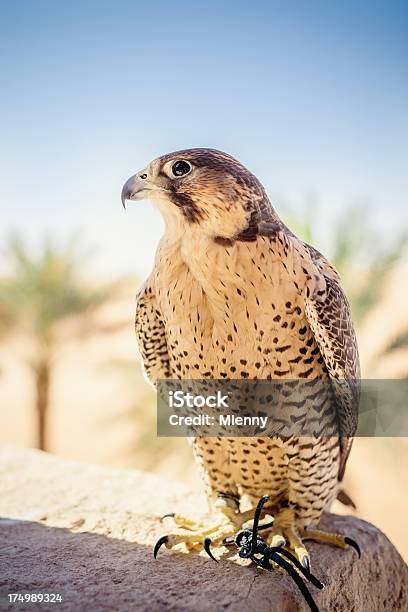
<point x="135" y="188"/>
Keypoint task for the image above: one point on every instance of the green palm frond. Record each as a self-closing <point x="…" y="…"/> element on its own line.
<point x="41" y="290"/>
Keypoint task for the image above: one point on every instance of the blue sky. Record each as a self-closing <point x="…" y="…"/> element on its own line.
<point x="311" y="96"/>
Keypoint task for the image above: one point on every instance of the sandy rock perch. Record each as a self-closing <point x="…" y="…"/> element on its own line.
<point x="86" y="532"/>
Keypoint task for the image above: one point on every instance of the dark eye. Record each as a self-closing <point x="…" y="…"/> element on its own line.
<point x="181" y="167"/>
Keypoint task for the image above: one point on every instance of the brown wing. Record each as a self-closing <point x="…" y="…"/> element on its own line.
<point x="330" y="320"/>
<point x="151" y="335"/>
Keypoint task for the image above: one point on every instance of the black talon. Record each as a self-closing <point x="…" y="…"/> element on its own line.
<point x="354" y="545"/>
<point x="169" y="515"/>
<point x="159" y="544"/>
<point x="206" y="546"/>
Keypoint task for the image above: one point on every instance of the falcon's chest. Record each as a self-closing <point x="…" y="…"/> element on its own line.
<point x="232" y="311"/>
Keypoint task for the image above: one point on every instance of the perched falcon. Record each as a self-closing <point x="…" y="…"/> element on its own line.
<point x="234" y="294"/>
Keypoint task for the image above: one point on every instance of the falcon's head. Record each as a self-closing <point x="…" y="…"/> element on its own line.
<point x="205" y="189"/>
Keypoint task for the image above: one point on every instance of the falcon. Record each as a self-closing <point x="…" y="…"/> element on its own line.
<point x="234" y="294"/>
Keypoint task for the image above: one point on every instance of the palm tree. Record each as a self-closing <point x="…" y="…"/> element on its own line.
<point x="37" y="295"/>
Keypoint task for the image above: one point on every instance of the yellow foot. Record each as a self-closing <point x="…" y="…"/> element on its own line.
<point x="335" y="539"/>
<point x="196" y="535"/>
<point x="284" y="533"/>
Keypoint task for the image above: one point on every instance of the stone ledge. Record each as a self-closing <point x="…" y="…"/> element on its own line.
<point x="87" y="532"/>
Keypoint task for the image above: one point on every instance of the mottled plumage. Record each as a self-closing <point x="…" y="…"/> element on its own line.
<point x="235" y="294"/>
